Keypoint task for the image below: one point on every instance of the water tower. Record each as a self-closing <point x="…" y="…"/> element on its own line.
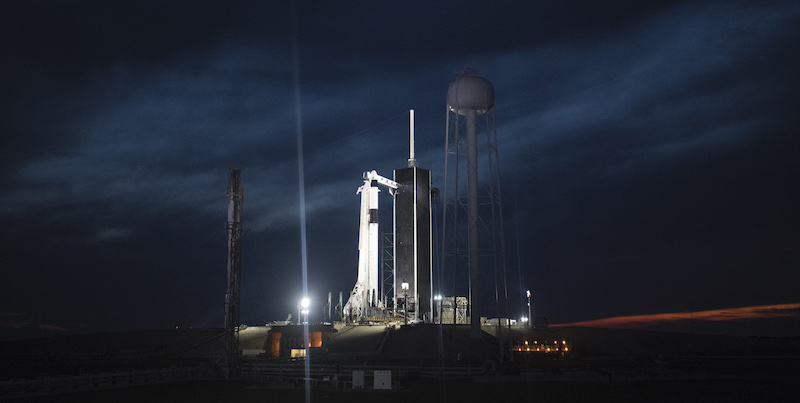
<point x="473" y="247"/>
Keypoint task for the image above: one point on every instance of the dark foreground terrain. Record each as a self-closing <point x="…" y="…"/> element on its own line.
<point x="603" y="365"/>
<point x="428" y="390"/>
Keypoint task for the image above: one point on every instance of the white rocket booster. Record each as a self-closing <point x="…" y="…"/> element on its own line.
<point x="366" y="292"/>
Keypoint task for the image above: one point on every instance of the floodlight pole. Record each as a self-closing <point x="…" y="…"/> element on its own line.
<point x="439" y="300"/>
<point x="530" y="318"/>
<point x="404" y="286"/>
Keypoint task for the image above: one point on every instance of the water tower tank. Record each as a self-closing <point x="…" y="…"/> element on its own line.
<point x="470" y="92"/>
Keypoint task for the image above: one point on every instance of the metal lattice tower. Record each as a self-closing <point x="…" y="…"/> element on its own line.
<point x="234" y="230"/>
<point x="387" y="269"/>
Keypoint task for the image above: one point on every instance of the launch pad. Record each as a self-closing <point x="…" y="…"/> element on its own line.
<point x="472" y="249"/>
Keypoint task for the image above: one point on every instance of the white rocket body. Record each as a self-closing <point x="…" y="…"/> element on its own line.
<point x="366" y="293"/>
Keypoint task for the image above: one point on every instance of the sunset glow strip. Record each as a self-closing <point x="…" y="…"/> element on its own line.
<point x="749" y="312"/>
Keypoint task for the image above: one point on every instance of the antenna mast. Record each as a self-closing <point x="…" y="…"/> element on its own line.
<point x="412" y="160"/>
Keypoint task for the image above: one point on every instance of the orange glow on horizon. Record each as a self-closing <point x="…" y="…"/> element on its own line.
<point x="638" y="321"/>
<point x="17" y="325"/>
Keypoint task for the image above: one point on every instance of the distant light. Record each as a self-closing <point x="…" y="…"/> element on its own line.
<point x="305" y="302"/>
<point x="528" y="293"/>
<point x="404" y="286"/>
<point x="438" y="297"/>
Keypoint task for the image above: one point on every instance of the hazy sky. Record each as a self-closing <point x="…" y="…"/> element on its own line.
<point x="649" y="150"/>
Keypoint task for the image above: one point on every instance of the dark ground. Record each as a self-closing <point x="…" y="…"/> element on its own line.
<point x="626" y="366"/>
<point x="427" y="390"/>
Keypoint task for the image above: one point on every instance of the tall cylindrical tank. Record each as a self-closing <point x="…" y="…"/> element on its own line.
<point x="470" y="92"/>
<point x="471" y="95"/>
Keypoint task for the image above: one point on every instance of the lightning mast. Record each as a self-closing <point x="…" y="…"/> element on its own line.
<point x="234" y="230"/>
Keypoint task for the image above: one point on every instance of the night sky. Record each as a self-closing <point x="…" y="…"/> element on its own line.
<point x="649" y="151"/>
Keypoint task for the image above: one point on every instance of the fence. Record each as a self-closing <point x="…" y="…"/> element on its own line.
<point x="66" y="384"/>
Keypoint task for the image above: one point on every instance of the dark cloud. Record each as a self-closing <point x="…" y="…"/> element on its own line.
<point x="647" y="149"/>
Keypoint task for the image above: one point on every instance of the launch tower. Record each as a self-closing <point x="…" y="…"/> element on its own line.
<point x="412" y="243"/>
<point x="413" y="254"/>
